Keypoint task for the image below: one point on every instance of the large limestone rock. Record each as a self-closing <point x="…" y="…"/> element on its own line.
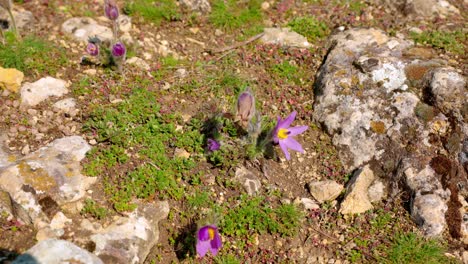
<point x="36" y="92"/>
<point x="129" y="239"/>
<point x="421" y="8"/>
<point x="10" y="79"/>
<point x="397" y="112"/>
<point x="324" y="191"/>
<point x="24" y="19"/>
<point x="82" y="28"/>
<point x="47" y="178"/>
<point x="357" y="200"/>
<point x="54" y="251"/>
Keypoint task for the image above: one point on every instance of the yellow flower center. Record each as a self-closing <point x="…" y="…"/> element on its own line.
<point x="211" y="233"/>
<point x="283" y="133"/>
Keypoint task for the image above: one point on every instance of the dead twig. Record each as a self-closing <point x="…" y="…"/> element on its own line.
<point x="325" y="234"/>
<point x="235" y="46"/>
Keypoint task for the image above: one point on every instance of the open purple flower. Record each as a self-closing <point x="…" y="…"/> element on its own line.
<point x="92" y="49"/>
<point x="208" y="238"/>
<point x="111" y="10"/>
<point x="118" y="50"/>
<point x="283" y="134"/>
<point x="213" y="145"/>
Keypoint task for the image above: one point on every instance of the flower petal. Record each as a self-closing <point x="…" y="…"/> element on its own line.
<point x="293" y="144"/>
<point x="203" y="247"/>
<point x="203" y="234"/>
<point x="284" y="148"/>
<point x="288" y="120"/>
<point x="296" y="130"/>
<point x="215" y="244"/>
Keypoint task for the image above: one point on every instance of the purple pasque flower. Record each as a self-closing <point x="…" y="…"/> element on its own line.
<point x="111" y="10"/>
<point x="283" y="135"/>
<point x="245" y="107"/>
<point x="92" y="49"/>
<point x="118" y="50"/>
<point x="212" y="144"/>
<point x="208" y="238"/>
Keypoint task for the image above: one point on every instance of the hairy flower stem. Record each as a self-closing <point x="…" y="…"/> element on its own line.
<point x="13" y="22"/>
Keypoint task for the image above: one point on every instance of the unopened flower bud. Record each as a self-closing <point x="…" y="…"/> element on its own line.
<point x="111" y="10"/>
<point x="92" y="49"/>
<point x="118" y="50"/>
<point x="245" y="107"/>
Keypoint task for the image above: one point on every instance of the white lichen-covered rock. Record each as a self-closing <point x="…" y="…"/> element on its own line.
<point x="24" y="19"/>
<point x="248" y="179"/>
<point x="421" y="8"/>
<point x="202" y="6"/>
<point x="383" y="103"/>
<point x="357" y="199"/>
<point x="54" y="251"/>
<point x="129" y="239"/>
<point x="36" y="92"/>
<point x="66" y="104"/>
<point x="324" y="191"/>
<point x="53" y="170"/>
<point x="82" y="28"/>
<point x="284" y="37"/>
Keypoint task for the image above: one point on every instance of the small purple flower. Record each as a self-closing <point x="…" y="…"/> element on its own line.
<point x="92" y="49"/>
<point x="118" y="50"/>
<point x="111" y="10"/>
<point x="213" y="145"/>
<point x="208" y="238"/>
<point x="283" y="134"/>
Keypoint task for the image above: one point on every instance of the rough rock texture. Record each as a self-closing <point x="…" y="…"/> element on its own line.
<point x="357" y="199"/>
<point x="385" y="105"/>
<point x="250" y="182"/>
<point x="424" y="8"/>
<point x="36" y="92"/>
<point x="324" y="191"/>
<point x="129" y="239"/>
<point x="66" y="104"/>
<point x="24" y="19"/>
<point x="197" y="5"/>
<point x="47" y="178"/>
<point x="10" y="79"/>
<point x="284" y="37"/>
<point x="82" y="28"/>
<point x="56" y="251"/>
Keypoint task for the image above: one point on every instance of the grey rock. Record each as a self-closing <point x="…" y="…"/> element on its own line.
<point x="376" y="191"/>
<point x="138" y="62"/>
<point x="202" y="6"/>
<point x="82" y="28"/>
<point x="357" y="200"/>
<point x="429" y="212"/>
<point x="36" y="92"/>
<point x="421" y="8"/>
<point x="325" y="190"/>
<point x="284" y="37"/>
<point x="309" y="204"/>
<point x="66" y="105"/>
<point x="250" y="182"/>
<point x="130" y="239"/>
<point x="54" y="251"/>
<point x="6" y="205"/>
<point x="125" y="23"/>
<point x="24" y="19"/>
<point x="53" y="170"/>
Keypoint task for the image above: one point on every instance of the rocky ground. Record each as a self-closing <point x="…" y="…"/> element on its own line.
<point x="103" y="163"/>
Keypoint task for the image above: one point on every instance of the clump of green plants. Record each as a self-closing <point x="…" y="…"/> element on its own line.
<point x="411" y="248"/>
<point x="30" y="54"/>
<point x="153" y="11"/>
<point x="310" y="27"/>
<point x="232" y="14"/>
<point x="256" y="215"/>
<point x="449" y="41"/>
<point x="136" y="155"/>
<point x="91" y="208"/>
